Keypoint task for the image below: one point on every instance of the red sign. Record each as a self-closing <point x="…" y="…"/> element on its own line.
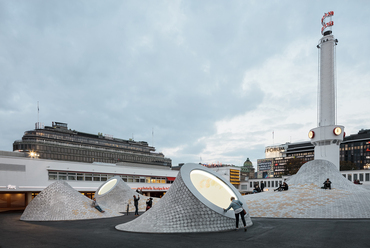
<point x="326" y="24"/>
<point x="153" y="188"/>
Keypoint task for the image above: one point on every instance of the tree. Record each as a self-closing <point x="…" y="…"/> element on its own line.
<point x="347" y="165"/>
<point x="293" y="165"/>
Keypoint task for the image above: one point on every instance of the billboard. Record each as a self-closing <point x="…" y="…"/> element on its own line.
<point x="265" y="168"/>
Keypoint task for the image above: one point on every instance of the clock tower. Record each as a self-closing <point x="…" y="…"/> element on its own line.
<point x="328" y="135"/>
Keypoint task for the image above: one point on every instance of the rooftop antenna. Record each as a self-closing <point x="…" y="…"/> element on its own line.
<point x="152" y="136"/>
<point x="38" y="111"/>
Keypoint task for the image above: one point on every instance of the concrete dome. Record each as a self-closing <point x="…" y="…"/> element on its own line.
<point x="116" y="194"/>
<point x="59" y="201"/>
<point x="193" y="203"/>
<point x="306" y="199"/>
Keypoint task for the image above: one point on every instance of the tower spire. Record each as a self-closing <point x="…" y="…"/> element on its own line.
<point x="328" y="135"/>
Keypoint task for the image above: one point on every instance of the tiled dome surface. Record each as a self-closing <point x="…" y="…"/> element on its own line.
<point x="121" y="195"/>
<point x="179" y="211"/>
<point x="306" y="199"/>
<point x="59" y="201"/>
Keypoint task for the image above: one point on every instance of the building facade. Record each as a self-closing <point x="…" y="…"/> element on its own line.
<point x="229" y="172"/>
<point x="247" y="170"/>
<point x="354" y="148"/>
<point x="22" y="178"/>
<point x="57" y="142"/>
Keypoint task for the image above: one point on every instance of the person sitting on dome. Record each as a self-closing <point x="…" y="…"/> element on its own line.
<point x="282" y="187"/>
<point x="327" y="184"/>
<point x="256" y="189"/>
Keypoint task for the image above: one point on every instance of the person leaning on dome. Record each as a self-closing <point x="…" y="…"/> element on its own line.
<point x="238" y="210"/>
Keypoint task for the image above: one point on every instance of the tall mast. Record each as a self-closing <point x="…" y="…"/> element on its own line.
<point x="328" y="135"/>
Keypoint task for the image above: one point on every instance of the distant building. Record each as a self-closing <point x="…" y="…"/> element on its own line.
<point x="354" y="148"/>
<point x="60" y="143"/>
<point x="22" y="178"/>
<point x="247" y="170"/>
<point x="230" y="173"/>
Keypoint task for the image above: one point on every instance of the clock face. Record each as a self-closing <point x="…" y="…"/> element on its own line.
<point x="311" y="134"/>
<point x="337" y="131"/>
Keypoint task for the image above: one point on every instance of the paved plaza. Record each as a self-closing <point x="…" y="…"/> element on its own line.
<point x="265" y="232"/>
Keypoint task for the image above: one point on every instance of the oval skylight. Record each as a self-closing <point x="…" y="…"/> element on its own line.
<point x="107" y="186"/>
<point x="212" y="188"/>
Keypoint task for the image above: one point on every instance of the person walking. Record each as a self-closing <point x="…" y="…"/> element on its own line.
<point x="136" y="204"/>
<point x="238" y="210"/>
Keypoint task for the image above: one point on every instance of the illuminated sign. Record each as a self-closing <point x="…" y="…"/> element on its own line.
<point x="326" y="24"/>
<point x="153" y="188"/>
<point x="264" y="164"/>
<point x="337" y="131"/>
<point x="311" y="134"/>
<point x="12" y="187"/>
<point x="108" y="136"/>
<point x="275" y="149"/>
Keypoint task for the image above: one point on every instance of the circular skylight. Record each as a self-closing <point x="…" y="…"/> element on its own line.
<point x="212" y="188"/>
<point x="107" y="186"/>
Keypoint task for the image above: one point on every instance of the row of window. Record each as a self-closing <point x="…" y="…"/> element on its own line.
<point x="89" y="156"/>
<point x="91" y="141"/>
<point x="353" y="147"/>
<point x="359" y="176"/>
<point x="266" y="183"/>
<point x="71" y="176"/>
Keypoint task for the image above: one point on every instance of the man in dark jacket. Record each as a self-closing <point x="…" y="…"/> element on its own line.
<point x="262" y="186"/>
<point x="327" y="184"/>
<point x="136" y="204"/>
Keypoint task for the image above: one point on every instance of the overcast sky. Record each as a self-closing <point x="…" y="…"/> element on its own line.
<point x="202" y="81"/>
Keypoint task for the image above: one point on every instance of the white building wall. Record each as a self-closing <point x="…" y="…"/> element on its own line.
<point x="35" y="177"/>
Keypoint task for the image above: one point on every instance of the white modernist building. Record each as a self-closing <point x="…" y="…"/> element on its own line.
<point x="328" y="135"/>
<point x="22" y="178"/>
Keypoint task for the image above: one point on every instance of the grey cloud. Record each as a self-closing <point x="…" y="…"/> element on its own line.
<point x="125" y="68"/>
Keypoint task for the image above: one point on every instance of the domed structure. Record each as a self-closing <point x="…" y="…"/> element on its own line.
<point x="248" y="168"/>
<point x="247" y="163"/>
<point x="116" y="194"/>
<point x="194" y="203"/>
<point x="59" y="201"/>
<point x="306" y="199"/>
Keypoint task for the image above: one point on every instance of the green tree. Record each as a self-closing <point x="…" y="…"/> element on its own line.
<point x="293" y="165"/>
<point x="347" y="165"/>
